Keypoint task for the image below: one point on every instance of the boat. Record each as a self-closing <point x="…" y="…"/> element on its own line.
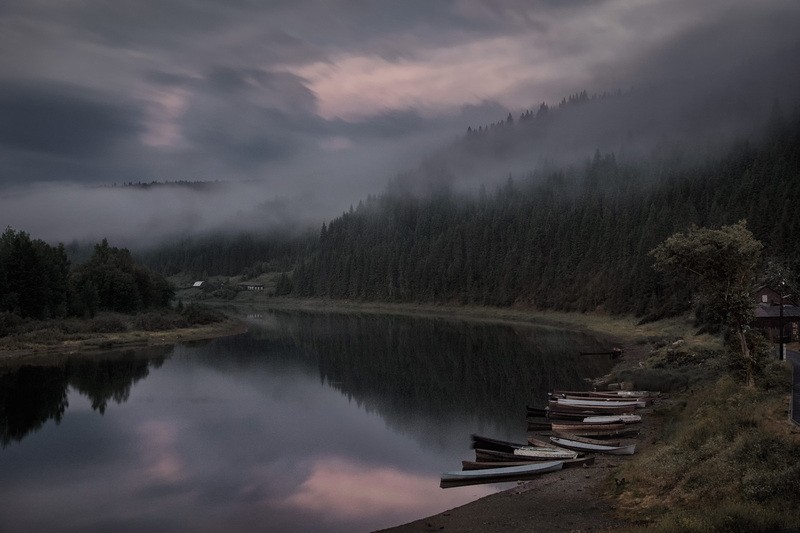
<point x="557" y="409"/>
<point x="494" y="456"/>
<point x="585" y="440"/>
<point x="603" y="434"/>
<point x="609" y="394"/>
<point x="582" y="426"/>
<point x="496" y="475"/>
<point x="616" y="400"/>
<point x="544" y="443"/>
<point x="595" y="448"/>
<point x="596" y="402"/>
<point x="573" y="414"/>
<point x="489" y="443"/>
<point x="482" y="465"/>
<point x="612" y="419"/>
<point x="539" y="452"/>
<point x="535" y="411"/>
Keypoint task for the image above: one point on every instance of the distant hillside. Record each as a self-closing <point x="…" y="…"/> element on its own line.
<point x="179" y="184"/>
<point x="575" y="238"/>
<point x="639" y="127"/>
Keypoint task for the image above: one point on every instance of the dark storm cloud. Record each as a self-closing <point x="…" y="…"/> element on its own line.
<point x="323" y="101"/>
<point x="64" y="121"/>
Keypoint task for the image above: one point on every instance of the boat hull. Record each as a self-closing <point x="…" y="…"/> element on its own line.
<point x="593" y="448"/>
<point x="497" y="475"/>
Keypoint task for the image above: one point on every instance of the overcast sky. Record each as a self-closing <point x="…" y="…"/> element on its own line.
<point x="322" y="101"/>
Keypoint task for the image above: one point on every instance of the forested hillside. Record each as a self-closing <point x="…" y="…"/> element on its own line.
<point x="228" y="255"/>
<point x="575" y="239"/>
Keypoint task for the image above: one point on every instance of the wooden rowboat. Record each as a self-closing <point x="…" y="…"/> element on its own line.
<point x="610" y="393"/>
<point x="539" y="426"/>
<point x="612" y="419"/>
<point x="641" y="401"/>
<point x="535" y="411"/>
<point x="597" y="402"/>
<point x="594" y="448"/>
<point x="539" y="452"/>
<point x="543" y="442"/>
<point x="602" y="434"/>
<point x="581" y="426"/>
<point x="557" y="408"/>
<point x="489" y="443"/>
<point x="482" y="465"/>
<point x="585" y="440"/>
<point x="484" y="456"/>
<point x="498" y="475"/>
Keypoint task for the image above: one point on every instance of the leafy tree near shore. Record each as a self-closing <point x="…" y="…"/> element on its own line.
<point x="36" y="281"/>
<point x="723" y="265"/>
<point x="111" y="280"/>
<point x="33" y="276"/>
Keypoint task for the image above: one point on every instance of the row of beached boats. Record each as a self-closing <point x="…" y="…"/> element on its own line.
<point x="578" y="425"/>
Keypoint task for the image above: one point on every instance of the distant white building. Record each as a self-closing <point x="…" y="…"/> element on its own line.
<point x="251" y="286"/>
<point x="198" y="284"/>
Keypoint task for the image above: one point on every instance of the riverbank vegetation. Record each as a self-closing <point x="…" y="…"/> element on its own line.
<point x="46" y="302"/>
<point x="724" y="459"/>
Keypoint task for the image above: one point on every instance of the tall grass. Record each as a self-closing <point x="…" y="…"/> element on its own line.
<point x="720" y="443"/>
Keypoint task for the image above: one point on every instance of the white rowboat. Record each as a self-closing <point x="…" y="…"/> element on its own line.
<point x="597" y="448"/>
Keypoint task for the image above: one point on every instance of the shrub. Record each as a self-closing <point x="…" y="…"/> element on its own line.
<point x="159" y="321"/>
<point x="9" y="322"/>
<point x="107" y="324"/>
<point x="201" y="314"/>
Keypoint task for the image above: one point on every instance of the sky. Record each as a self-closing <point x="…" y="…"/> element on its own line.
<point x="318" y="103"/>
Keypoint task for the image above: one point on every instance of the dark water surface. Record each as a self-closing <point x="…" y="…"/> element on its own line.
<point x="309" y="422"/>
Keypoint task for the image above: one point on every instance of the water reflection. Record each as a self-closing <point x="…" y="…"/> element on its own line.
<point x="415" y="371"/>
<point x="33" y="393"/>
<point x="309" y="422"/>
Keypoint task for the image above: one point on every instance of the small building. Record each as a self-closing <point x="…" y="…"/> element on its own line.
<point x="198" y="284"/>
<point x="251" y="287"/>
<point x="768" y="315"/>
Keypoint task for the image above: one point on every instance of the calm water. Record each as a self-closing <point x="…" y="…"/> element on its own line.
<point x="309" y="422"/>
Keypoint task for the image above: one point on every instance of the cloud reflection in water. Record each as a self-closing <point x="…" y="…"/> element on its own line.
<point x="342" y="489"/>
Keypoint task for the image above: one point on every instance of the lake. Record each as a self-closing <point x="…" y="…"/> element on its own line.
<point x="308" y="422"/>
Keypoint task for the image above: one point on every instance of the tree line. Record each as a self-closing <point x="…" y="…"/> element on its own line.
<point x="576" y="239"/>
<point x="38" y="281"/>
<point x="227" y="255"/>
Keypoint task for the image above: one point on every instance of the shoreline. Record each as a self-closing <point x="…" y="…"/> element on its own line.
<point x="569" y="500"/>
<point x="624" y="329"/>
<point x="99" y="342"/>
<point x="573" y="499"/>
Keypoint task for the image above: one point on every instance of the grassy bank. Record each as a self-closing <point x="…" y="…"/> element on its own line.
<point x="726" y="459"/>
<point x="625" y="328"/>
<point x="19" y="338"/>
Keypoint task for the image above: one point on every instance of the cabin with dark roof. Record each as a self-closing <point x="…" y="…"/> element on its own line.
<point x="768" y="315"/>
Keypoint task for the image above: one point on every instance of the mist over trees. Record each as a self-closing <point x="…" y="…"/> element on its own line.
<point x="573" y="239"/>
<point x="221" y="254"/>
<point x="647" y="126"/>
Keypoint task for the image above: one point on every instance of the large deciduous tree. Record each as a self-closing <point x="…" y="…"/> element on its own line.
<point x="723" y="264"/>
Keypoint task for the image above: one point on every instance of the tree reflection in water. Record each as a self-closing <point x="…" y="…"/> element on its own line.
<point x="35" y="392"/>
<point x="422" y="371"/>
